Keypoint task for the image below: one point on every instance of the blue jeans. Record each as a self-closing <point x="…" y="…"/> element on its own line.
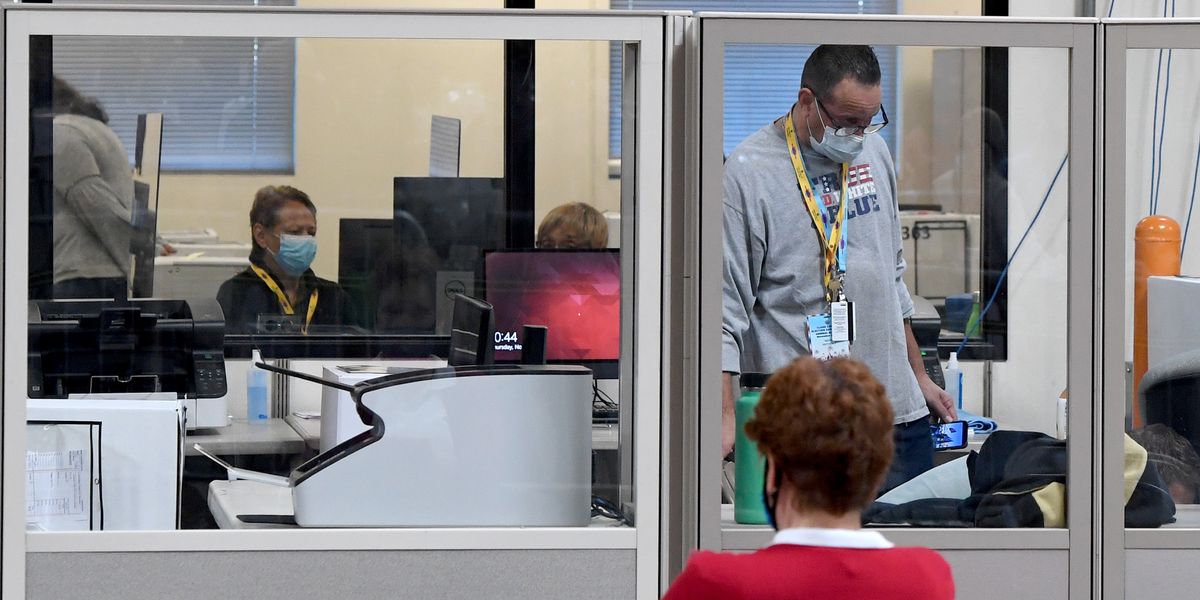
<point x="914" y="453"/>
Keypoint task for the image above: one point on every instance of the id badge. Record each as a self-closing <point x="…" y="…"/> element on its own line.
<point x="841" y="314"/>
<point x="820" y="339"/>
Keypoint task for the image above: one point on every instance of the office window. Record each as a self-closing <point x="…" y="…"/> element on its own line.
<point x="227" y="103"/>
<point x="751" y="98"/>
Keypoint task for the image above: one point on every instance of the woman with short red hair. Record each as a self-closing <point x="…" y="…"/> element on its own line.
<point x="825" y="429"/>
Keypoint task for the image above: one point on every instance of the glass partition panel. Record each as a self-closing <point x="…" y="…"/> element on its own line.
<point x="444" y="280"/>
<point x="1162" y="435"/>
<point x="952" y="167"/>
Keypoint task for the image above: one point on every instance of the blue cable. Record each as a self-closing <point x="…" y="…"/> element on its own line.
<point x="1154" y="124"/>
<point x="1004" y="271"/>
<point x="1192" y="201"/>
<point x="1162" y="126"/>
<point x="1162" y="134"/>
<point x="1111" y="5"/>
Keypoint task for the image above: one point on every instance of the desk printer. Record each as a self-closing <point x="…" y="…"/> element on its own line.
<point x="464" y="446"/>
<point x="137" y="346"/>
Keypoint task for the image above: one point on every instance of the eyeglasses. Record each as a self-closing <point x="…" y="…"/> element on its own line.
<point x="847" y="131"/>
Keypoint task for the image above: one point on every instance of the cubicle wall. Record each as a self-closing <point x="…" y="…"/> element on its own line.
<point x="608" y="559"/>
<point x="1150" y="153"/>
<point x="1052" y="307"/>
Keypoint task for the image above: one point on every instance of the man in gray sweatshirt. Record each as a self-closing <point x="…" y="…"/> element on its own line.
<point x="784" y="277"/>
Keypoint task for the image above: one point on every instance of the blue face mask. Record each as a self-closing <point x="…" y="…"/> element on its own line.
<point x="769" y="499"/>
<point x="296" y="253"/>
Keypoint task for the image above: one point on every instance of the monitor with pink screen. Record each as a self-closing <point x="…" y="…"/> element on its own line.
<point x="576" y="294"/>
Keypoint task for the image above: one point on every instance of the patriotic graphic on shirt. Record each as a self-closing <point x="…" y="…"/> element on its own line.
<point x="861" y="193"/>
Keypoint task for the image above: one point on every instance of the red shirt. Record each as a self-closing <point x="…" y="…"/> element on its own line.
<point x="783" y="571"/>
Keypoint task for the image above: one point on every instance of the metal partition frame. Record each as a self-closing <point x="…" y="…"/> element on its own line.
<point x="657" y="35"/>
<point x="1083" y="360"/>
<point x="1120" y="36"/>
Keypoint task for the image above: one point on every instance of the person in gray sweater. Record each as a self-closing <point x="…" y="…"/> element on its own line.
<point x="93" y="200"/>
<point x="782" y="280"/>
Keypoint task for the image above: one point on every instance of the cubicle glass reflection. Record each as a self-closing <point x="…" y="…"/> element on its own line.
<point x="969" y="183"/>
<point x="318" y="206"/>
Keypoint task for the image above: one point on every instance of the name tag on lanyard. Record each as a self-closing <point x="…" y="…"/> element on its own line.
<point x="829" y="334"/>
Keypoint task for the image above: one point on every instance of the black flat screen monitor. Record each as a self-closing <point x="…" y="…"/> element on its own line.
<point x="456" y="217"/>
<point x="362" y="245"/>
<point x="576" y="294"/>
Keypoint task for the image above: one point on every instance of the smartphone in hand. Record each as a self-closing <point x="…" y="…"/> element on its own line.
<point x="949" y="436"/>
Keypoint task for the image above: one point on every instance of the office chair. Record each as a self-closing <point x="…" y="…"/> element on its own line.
<point x="1170" y="394"/>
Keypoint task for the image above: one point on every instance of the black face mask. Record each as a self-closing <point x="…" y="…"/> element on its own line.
<point x="769" y="499"/>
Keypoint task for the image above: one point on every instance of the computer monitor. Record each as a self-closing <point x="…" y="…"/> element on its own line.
<point x="144" y="217"/>
<point x="576" y="294"/>
<point x="362" y="244"/>
<point x="456" y="217"/>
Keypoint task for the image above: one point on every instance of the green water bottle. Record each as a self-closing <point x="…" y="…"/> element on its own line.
<point x="748" y="465"/>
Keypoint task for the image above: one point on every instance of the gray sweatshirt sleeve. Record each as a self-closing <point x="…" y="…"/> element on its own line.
<point x="78" y="180"/>
<point x="902" y="295"/>
<point x="743" y="249"/>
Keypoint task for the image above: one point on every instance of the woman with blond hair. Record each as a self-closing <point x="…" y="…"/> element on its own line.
<point x="577" y="226"/>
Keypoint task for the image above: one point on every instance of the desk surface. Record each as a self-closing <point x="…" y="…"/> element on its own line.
<point x="275" y="436"/>
<point x="604" y="437"/>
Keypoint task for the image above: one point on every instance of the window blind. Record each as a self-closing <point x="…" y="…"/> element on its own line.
<point x="761" y="80"/>
<point x="227" y="103"/>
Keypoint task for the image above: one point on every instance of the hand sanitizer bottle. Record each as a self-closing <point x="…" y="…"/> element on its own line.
<point x="954" y="380"/>
<point x="256" y="391"/>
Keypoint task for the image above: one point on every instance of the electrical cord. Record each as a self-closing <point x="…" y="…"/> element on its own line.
<point x="604" y="408"/>
<point x="1162" y="127"/>
<point x="1154" y="129"/>
<point x="608" y="510"/>
<point x="601" y="397"/>
<point x="1004" y="272"/>
<point x="1191" y="201"/>
<point x="1162" y="135"/>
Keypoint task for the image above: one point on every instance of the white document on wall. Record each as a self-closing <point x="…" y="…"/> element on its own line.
<point x="444" y="143"/>
<point x="62" y="477"/>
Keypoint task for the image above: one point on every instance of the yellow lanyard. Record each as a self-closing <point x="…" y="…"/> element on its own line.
<point x="833" y="241"/>
<point x="283" y="299"/>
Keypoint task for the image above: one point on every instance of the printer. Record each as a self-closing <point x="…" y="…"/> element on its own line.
<point x="131" y="346"/>
<point x="458" y="446"/>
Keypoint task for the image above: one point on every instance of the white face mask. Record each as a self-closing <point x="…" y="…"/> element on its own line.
<point x="839" y="149"/>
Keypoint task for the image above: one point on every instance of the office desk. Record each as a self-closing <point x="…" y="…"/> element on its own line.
<point x="309" y="430"/>
<point x="604" y="437"/>
<point x="228" y="499"/>
<point x="275" y="436"/>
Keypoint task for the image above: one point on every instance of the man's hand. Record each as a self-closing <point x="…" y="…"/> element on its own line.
<point x="728" y="419"/>
<point x="941" y="405"/>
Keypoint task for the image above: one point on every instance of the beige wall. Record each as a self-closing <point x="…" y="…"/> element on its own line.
<point x="363" y="111"/>
<point x="916" y="64"/>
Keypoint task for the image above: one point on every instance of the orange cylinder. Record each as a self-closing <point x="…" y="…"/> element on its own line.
<point x="1155" y="252"/>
